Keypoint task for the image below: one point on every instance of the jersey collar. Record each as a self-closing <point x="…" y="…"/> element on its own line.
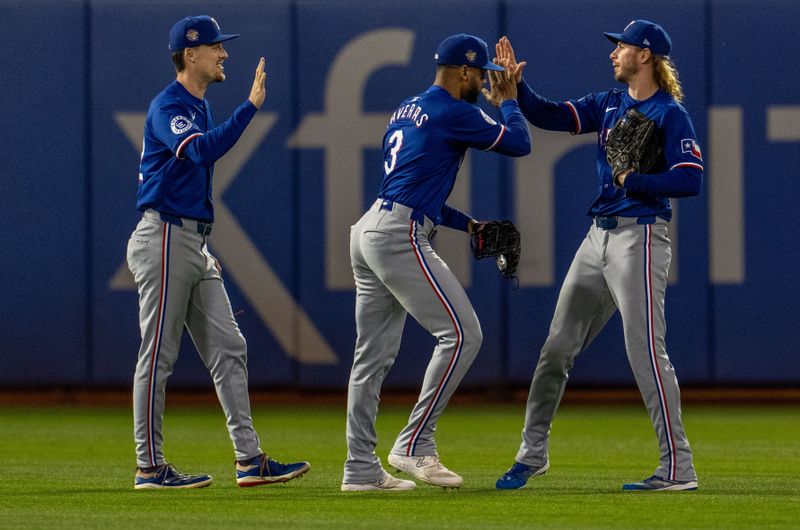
<point x="186" y="95"/>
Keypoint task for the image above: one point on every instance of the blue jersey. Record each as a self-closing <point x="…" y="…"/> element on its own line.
<point x="680" y="174"/>
<point x="180" y="148"/>
<point x="425" y="143"/>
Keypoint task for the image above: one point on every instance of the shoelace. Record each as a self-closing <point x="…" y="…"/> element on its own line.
<point x="175" y="473"/>
<point x="157" y="471"/>
<point x="179" y="474"/>
<point x="435" y="462"/>
<point x="162" y="472"/>
<point x="265" y="460"/>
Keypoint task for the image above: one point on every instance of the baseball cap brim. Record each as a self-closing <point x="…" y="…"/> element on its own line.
<point x="491" y="66"/>
<point x="614" y="37"/>
<point x="223" y="38"/>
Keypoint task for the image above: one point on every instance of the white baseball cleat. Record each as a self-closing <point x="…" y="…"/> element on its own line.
<point x="387" y="483"/>
<point x="428" y="469"/>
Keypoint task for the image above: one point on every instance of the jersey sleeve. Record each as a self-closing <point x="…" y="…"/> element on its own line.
<point x="684" y="161"/>
<point x="172" y="126"/>
<point x="208" y="148"/>
<point x="575" y="116"/>
<point x="454" y="218"/>
<point x="681" y="148"/>
<point x="469" y="125"/>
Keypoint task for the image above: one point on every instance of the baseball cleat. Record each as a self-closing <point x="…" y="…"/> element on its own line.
<point x="518" y="475"/>
<point x="428" y="469"/>
<point x="264" y="470"/>
<point x="656" y="483"/>
<point x="387" y="483"/>
<point x="166" y="476"/>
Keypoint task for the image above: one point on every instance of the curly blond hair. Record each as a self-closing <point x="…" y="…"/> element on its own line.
<point x="666" y="76"/>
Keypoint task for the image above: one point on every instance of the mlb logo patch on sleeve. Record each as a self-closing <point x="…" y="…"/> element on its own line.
<point x="181" y="124"/>
<point x="688" y="145"/>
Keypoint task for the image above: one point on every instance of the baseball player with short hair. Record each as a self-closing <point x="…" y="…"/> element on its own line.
<point x="178" y="279"/>
<point x="397" y="272"/>
<point x="623" y="262"/>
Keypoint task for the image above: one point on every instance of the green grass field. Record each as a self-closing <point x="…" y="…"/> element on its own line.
<point x="73" y="468"/>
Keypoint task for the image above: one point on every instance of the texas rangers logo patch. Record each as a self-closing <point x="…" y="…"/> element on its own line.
<point x="180" y="124"/>
<point x="688" y="145"/>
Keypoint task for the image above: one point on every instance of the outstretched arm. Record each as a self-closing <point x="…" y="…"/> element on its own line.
<point x="207" y="148"/>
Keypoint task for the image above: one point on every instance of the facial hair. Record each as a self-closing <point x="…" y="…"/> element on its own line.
<point x="624" y="74"/>
<point x="471" y="96"/>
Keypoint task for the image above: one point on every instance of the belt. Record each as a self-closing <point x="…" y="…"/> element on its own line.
<point x="401" y="210"/>
<point x="610" y="223"/>
<point x="200" y="227"/>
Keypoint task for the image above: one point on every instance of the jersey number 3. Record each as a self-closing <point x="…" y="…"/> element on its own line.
<point x="396" y="142"/>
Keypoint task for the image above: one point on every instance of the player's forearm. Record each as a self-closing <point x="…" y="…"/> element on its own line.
<point x="455" y="218"/>
<point x="516" y="140"/>
<point x="543" y="113"/>
<point x="211" y="146"/>
<point x="678" y="182"/>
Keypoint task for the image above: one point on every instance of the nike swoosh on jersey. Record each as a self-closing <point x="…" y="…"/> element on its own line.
<point x="608" y="109"/>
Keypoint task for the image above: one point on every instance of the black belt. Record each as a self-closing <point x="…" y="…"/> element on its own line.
<point x="610" y="223"/>
<point x="203" y="229"/>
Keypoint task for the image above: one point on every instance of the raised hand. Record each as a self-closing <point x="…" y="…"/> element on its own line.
<point x="258" y="92"/>
<point x="507" y="59"/>
<point x="502" y="87"/>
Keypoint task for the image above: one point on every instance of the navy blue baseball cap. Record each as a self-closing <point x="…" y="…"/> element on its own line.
<point x="194" y="31"/>
<point x="463" y="49"/>
<point x="644" y="34"/>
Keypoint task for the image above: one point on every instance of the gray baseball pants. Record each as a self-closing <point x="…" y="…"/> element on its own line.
<point x="623" y="268"/>
<point x="179" y="284"/>
<point x="398" y="273"/>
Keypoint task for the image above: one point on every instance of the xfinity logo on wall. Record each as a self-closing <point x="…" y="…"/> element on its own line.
<point x="343" y="131"/>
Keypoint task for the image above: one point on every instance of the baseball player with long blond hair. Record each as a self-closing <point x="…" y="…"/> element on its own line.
<point x="623" y="262"/>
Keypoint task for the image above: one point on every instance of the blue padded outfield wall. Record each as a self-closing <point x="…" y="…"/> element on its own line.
<point x="79" y="76"/>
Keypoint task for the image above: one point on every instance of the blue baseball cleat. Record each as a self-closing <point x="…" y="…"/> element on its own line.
<point x="518" y="476"/>
<point x="166" y="476"/>
<point x="264" y="470"/>
<point x="656" y="483"/>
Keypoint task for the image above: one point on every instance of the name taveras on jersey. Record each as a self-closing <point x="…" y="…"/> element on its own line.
<point x="412" y="112"/>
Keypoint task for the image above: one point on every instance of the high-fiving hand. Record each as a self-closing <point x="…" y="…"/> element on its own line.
<point x="507" y="59"/>
<point x="258" y="92"/>
<point x="501" y="87"/>
<point x="499" y="91"/>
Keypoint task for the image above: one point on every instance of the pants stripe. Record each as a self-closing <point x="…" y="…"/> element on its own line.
<point x="412" y="443"/>
<point x="162" y="304"/>
<point x="665" y="415"/>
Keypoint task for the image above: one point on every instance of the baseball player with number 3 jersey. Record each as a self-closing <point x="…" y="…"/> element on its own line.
<point x="178" y="280"/>
<point x="623" y="262"/>
<point x="397" y="272"/>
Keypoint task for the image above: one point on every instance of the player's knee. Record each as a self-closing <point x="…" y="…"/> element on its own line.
<point x="556" y="356"/>
<point x="235" y="347"/>
<point x="472" y="337"/>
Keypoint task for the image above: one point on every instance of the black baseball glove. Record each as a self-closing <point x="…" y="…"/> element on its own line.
<point x="634" y="143"/>
<point x="498" y="239"/>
